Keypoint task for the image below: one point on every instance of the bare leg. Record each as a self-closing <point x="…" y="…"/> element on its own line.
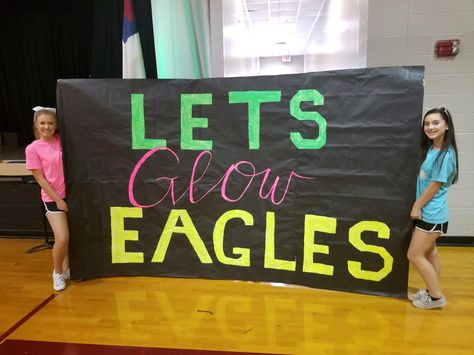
<point x="421" y="245"/>
<point x="432" y="257"/>
<point x="66" y="261"/>
<point x="59" y="225"/>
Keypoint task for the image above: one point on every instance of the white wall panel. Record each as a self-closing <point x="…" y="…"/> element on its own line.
<point x="386" y="60"/>
<point x="449" y="84"/>
<point x="467" y="159"/>
<point x="432" y="24"/>
<point x="460" y="229"/>
<point x="458" y="103"/>
<point x="467" y="41"/>
<point x="391" y="46"/>
<point x="389" y="7"/>
<point x="466" y="181"/>
<point x="467" y="21"/>
<point x="430" y="6"/>
<point x="437" y="66"/>
<point x="464" y="123"/>
<point x="392" y="25"/>
<point x="405" y="33"/>
<point x="462" y="197"/>
<point x="465" y="142"/>
<point x="461" y="215"/>
<point x="420" y="45"/>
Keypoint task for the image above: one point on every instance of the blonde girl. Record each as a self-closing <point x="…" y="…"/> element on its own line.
<point x="44" y="159"/>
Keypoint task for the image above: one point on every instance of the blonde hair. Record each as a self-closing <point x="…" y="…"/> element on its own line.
<point x="44" y="111"/>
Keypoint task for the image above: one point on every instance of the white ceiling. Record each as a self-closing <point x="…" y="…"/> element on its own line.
<point x="264" y="28"/>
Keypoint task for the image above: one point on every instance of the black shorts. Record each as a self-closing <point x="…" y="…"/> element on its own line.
<point x="431" y="227"/>
<point x="51" y="207"/>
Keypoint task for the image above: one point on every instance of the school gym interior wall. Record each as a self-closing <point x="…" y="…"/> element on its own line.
<point x="404" y="32"/>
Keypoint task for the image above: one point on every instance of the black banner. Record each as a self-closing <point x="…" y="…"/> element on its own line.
<point x="304" y="179"/>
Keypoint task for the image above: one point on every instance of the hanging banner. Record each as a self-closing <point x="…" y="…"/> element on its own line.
<point x="302" y="179"/>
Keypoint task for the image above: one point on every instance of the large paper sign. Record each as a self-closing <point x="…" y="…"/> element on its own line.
<point x="302" y="179"/>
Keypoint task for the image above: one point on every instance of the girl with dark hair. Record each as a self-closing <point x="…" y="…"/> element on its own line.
<point x="439" y="169"/>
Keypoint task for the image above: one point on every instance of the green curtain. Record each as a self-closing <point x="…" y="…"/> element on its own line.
<point x="182" y="38"/>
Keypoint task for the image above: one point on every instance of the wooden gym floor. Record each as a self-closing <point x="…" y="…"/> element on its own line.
<point x="153" y="315"/>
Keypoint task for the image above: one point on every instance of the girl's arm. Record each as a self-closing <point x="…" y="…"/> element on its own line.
<point x="424" y="198"/>
<point x="39" y="177"/>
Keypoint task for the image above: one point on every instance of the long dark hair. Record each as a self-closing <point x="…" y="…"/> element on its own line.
<point x="448" y="141"/>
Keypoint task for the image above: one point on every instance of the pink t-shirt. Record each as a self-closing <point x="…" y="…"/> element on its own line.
<point x="48" y="156"/>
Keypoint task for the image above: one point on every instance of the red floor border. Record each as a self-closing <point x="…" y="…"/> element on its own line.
<point x="25" y="318"/>
<point x="21" y="347"/>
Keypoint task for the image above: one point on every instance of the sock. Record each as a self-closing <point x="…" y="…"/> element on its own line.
<point x="435" y="298"/>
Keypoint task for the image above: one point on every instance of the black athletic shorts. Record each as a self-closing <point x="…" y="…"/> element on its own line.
<point x="431" y="227"/>
<point x="51" y="207"/>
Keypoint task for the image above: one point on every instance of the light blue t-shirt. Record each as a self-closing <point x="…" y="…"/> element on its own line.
<point x="443" y="170"/>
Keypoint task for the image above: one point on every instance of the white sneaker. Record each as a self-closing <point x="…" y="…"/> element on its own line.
<point x="418" y="295"/>
<point x="427" y="303"/>
<point x="59" y="283"/>
<point x="67" y="274"/>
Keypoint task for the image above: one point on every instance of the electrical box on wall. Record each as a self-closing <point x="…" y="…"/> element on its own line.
<point x="447" y="47"/>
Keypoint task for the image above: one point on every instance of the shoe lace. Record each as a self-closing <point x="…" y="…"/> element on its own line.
<point x="426" y="298"/>
<point x="421" y="292"/>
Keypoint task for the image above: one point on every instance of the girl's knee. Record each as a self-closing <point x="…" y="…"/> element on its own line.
<point x="61" y="237"/>
<point x="61" y="242"/>
<point x="412" y="255"/>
